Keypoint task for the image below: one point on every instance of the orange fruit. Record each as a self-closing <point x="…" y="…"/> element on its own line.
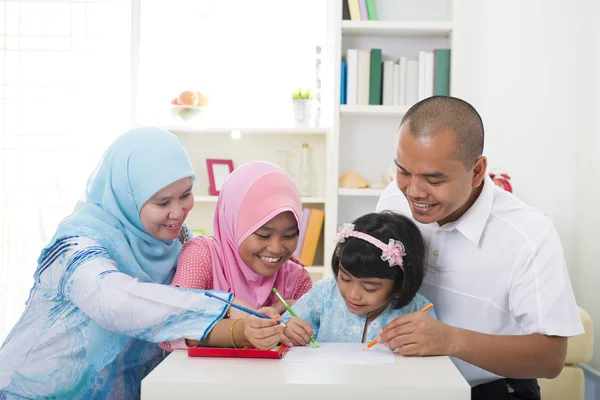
<point x="202" y="99"/>
<point x="187" y="98"/>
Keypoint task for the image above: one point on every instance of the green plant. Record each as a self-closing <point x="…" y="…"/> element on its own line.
<point x="299" y="94"/>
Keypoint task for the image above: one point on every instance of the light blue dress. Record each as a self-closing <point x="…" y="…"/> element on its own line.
<point x="99" y="302"/>
<point x="324" y="308"/>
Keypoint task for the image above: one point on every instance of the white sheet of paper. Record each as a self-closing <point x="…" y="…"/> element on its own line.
<point x="340" y="353"/>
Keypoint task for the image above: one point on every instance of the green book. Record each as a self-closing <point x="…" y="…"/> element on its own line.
<point x="376" y="77"/>
<point x="371" y="10"/>
<point x="441" y="72"/>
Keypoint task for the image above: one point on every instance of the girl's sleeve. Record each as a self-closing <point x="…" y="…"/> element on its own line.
<point x="148" y="311"/>
<point x="194" y="268"/>
<point x="310" y="306"/>
<point x="303" y="286"/>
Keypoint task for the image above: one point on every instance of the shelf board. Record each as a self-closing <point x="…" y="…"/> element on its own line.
<point x="380" y="111"/>
<point x="213" y="199"/>
<point x="360" y="192"/>
<point x="247" y="131"/>
<point x="394" y="28"/>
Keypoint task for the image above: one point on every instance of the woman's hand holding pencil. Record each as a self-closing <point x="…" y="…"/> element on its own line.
<point x="265" y="333"/>
<point x="262" y="328"/>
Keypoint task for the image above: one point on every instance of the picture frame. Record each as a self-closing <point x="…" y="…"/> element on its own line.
<point x="218" y="171"/>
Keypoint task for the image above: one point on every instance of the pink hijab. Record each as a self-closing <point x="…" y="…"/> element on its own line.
<point x="253" y="194"/>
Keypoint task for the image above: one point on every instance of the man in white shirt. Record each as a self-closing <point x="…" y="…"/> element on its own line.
<point x="496" y="270"/>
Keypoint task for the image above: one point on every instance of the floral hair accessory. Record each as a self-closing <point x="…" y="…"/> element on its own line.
<point x="392" y="252"/>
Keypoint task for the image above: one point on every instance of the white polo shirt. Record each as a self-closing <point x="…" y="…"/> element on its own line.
<point x="498" y="269"/>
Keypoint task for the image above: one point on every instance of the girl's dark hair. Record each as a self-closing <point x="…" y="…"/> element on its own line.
<point x="363" y="260"/>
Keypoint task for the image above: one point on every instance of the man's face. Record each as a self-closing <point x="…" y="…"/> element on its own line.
<point x="435" y="182"/>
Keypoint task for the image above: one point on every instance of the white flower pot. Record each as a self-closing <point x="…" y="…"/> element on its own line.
<point x="304" y="112"/>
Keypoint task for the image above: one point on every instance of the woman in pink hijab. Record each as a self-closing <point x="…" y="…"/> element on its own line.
<point x="256" y="227"/>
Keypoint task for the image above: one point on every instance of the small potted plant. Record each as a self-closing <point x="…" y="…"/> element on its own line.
<point x="303" y="107"/>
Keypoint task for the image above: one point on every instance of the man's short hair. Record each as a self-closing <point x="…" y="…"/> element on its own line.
<point x="438" y="113"/>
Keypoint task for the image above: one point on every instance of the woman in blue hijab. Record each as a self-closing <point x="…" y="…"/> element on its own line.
<point x="99" y="303"/>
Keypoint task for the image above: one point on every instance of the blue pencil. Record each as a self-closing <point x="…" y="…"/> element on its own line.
<point x="249" y="311"/>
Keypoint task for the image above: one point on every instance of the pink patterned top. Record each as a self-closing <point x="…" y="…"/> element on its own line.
<point x="194" y="271"/>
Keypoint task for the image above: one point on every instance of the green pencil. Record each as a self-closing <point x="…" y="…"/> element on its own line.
<point x="292" y="313"/>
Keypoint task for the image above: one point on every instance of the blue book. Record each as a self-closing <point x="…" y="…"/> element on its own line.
<point x="343" y="83"/>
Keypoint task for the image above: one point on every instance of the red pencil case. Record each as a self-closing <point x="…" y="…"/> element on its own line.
<point x="237" y="353"/>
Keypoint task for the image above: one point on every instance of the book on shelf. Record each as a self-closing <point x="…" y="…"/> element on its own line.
<point x="302" y="231"/>
<point x="375" y="77"/>
<point x="343" y="84"/>
<point x="369" y="79"/>
<point x="364" y="77"/>
<point x="359" y="10"/>
<point x="354" y="8"/>
<point x="351" y="77"/>
<point x="312" y="234"/>
<point x="441" y="72"/>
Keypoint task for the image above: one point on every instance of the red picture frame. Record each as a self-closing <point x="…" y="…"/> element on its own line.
<point x="218" y="171"/>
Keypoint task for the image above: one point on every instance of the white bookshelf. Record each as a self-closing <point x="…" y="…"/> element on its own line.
<point x="360" y="192"/>
<point x="378" y="111"/>
<point x="305" y="200"/>
<point x="363" y="136"/>
<point x="247" y="131"/>
<point x="394" y="28"/>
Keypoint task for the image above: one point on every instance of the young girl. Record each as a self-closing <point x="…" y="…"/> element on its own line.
<point x="255" y="234"/>
<point x="378" y="268"/>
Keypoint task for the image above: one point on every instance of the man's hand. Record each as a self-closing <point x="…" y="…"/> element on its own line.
<point x="265" y="333"/>
<point x="298" y="331"/>
<point x="418" y="334"/>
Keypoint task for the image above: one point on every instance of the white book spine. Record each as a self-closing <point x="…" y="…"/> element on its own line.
<point x="388" y="83"/>
<point x="428" y="74"/>
<point x="364" y="77"/>
<point x="397" y="90"/>
<point x="422" y="67"/>
<point x="412" y="82"/>
<point x="352" y="77"/>
<point x="402" y="83"/>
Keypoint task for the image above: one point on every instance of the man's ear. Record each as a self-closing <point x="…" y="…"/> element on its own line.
<point x="479" y="171"/>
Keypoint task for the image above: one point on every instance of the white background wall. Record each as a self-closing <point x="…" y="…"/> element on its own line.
<point x="529" y="67"/>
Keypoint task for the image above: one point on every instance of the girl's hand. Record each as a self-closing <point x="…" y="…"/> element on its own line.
<point x="265" y="333"/>
<point x="298" y="331"/>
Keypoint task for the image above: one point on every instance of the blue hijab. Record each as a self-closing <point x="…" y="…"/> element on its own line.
<point x="136" y="166"/>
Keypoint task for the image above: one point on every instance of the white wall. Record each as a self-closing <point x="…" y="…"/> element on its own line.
<point x="588" y="193"/>
<point x="528" y="67"/>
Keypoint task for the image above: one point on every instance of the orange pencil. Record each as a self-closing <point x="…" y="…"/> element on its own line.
<point x="374" y="342"/>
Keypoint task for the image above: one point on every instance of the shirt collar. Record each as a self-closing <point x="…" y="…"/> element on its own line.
<point x="472" y="223"/>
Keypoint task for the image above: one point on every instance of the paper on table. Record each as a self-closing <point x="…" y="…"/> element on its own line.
<point x="340" y="353"/>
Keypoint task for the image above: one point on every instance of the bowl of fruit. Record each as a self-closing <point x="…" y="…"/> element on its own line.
<point x="188" y="105"/>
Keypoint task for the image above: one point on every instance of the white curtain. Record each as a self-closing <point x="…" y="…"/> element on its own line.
<point x="64" y="94"/>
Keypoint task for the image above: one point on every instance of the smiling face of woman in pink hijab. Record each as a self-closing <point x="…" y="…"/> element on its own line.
<point x="256" y="231"/>
<point x="271" y="245"/>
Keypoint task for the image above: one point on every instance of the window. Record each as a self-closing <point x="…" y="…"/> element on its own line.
<point x="247" y="56"/>
<point x="64" y="95"/>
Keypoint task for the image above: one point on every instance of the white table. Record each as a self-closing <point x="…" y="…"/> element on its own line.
<point x="183" y="377"/>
